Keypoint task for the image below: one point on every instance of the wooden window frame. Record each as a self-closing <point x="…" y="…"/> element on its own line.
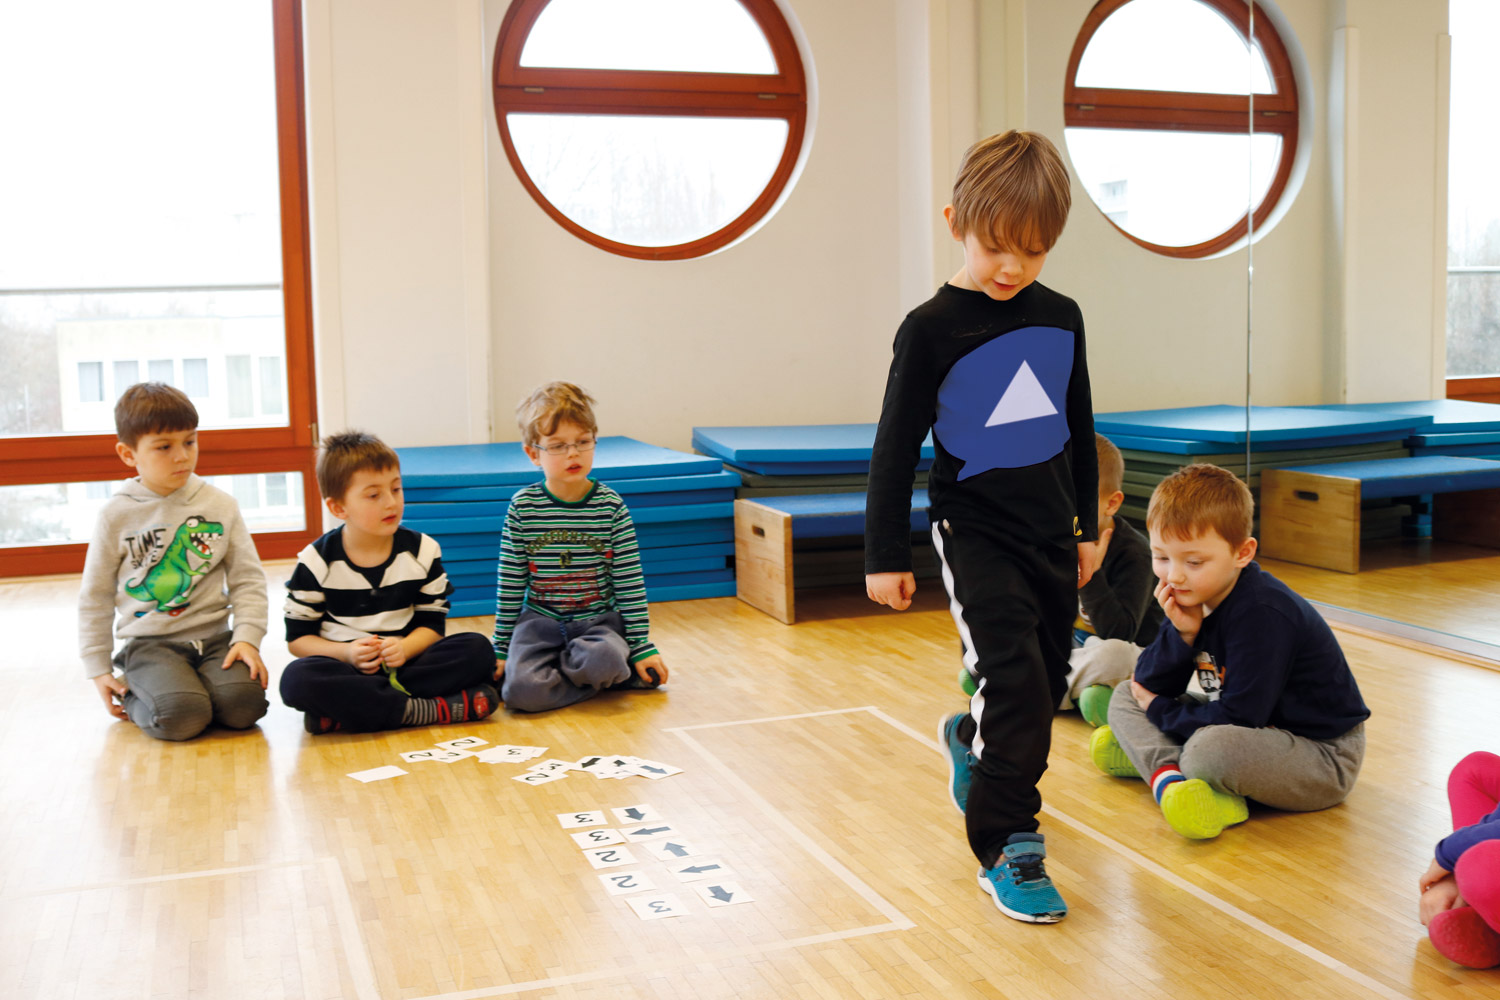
<point x="1182" y="111"/>
<point x="71" y="458"/>
<point x="1478" y="389"/>
<point x="639" y="92"/>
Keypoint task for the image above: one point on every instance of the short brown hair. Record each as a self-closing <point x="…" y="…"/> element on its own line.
<point x="1111" y="466"/>
<point x="152" y="408"/>
<point x="1013" y="187"/>
<point x="1200" y="497"/>
<point x="539" y="413"/>
<point x="346" y="453"/>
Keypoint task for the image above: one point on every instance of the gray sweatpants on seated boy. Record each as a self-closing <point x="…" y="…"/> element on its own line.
<point x="1271" y="766"/>
<point x="179" y="686"/>
<point x="557" y="663"/>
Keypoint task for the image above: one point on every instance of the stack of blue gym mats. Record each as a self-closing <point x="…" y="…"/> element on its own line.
<point x="682" y="506"/>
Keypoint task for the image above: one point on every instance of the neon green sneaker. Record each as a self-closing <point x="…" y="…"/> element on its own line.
<point x="1198" y="811"/>
<point x="1108" y="756"/>
<point x="1093" y="703"/>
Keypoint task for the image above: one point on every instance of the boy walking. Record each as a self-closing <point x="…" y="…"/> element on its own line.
<point x="170" y="564"/>
<point x="367" y="608"/>
<point x="994" y="365"/>
<point x="1281" y="720"/>
<point x="570" y="616"/>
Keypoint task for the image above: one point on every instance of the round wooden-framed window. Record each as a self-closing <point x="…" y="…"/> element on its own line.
<point x="1159" y="98"/>
<point x="653" y="129"/>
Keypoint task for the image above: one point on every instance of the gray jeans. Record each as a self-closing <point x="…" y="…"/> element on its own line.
<point x="554" y="663"/>
<point x="1271" y="766"/>
<point x="178" y="687"/>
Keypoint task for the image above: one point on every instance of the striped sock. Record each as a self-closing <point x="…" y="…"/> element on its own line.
<point x="423" y="712"/>
<point x="1164" y="776"/>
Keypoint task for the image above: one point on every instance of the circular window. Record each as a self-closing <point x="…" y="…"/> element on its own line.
<point x="1176" y="126"/>
<point x="657" y="129"/>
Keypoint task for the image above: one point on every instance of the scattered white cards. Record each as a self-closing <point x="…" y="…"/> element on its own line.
<point x="636" y="814"/>
<point x="442" y="756"/>
<point x="463" y="743"/>
<point x="539" y="777"/>
<point x="507" y="754"/>
<point x="672" y="849"/>
<point x="624" y="883"/>
<point x="654" y="907"/>
<point x="698" y="869"/>
<point x="572" y="821"/>
<point x="723" y="893"/>
<point x="377" y="773"/>
<point x="609" y="857"/>
<point x="597" y="838"/>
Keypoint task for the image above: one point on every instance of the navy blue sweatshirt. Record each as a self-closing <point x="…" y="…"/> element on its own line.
<point x="1271" y="659"/>
<point x="1004" y="388"/>
<point x="1120" y="599"/>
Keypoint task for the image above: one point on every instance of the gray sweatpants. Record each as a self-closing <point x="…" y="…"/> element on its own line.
<point x="1098" y="661"/>
<point x="178" y="687"/>
<point x="554" y="663"/>
<point x="1271" y="766"/>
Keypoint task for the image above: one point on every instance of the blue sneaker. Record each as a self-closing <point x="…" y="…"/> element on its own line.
<point x="1019" y="883"/>
<point x="960" y="760"/>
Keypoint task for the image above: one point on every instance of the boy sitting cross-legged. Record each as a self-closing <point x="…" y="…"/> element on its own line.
<point x="1282" y="720"/>
<point x="367" y="607"/>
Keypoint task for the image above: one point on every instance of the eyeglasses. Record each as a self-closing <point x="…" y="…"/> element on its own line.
<point x="584" y="446"/>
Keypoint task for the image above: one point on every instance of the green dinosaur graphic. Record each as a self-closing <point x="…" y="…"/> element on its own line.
<point x="170" y="580"/>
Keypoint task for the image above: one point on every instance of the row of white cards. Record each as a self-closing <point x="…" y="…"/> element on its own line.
<point x="643" y="826"/>
<point x="600" y="766"/>
<point x="554" y="769"/>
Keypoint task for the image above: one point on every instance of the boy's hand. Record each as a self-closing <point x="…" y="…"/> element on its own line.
<point x="110" y="688"/>
<point x="392" y="652"/>
<point x="364" y="654"/>
<point x="1437" y="898"/>
<point x="894" y="590"/>
<point x="499" y="669"/>
<point x="652" y="664"/>
<point x="1187" y="621"/>
<point x="1142" y="696"/>
<point x="1091" y="557"/>
<point x="1434" y="874"/>
<point x="248" y="653"/>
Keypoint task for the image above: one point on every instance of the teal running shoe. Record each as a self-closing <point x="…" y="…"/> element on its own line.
<point x="1019" y="884"/>
<point x="960" y="760"/>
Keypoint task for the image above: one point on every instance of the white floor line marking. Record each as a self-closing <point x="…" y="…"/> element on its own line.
<point x="1374" y="986"/>
<point x="148" y="879"/>
<point x="827" y="860"/>
<point x="657" y="968"/>
<point x="768" y="718"/>
<point x="356" y="955"/>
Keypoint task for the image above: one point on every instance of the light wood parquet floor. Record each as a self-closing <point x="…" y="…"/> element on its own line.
<point x="248" y="865"/>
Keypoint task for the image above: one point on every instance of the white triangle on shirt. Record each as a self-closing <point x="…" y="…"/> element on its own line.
<point x="1024" y="399"/>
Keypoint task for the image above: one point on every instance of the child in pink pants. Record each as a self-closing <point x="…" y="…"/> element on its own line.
<point x="1461" y="888"/>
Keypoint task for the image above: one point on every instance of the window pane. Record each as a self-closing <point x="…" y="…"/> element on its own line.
<point x="56" y="513"/>
<point x="90" y="382"/>
<point x="1173" y="189"/>
<point x="649" y="181"/>
<point x="276" y="492"/>
<point x="272" y="387"/>
<point x="706" y="36"/>
<point x="1473" y="196"/>
<point x="195" y="377"/>
<point x="127" y="374"/>
<point x="1179" y="45"/>
<point x="160" y="371"/>
<point x="43" y="338"/>
<point x="244" y="489"/>
<point x="241" y="395"/>
<point x="1473" y="323"/>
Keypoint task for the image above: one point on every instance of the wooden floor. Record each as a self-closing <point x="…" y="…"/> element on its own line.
<point x="249" y="865"/>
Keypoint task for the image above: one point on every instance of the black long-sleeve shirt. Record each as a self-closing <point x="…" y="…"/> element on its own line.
<point x="1265" y="656"/>
<point x="1120" y="600"/>
<point x="1004" y="387"/>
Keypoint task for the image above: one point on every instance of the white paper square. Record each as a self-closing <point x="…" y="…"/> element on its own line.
<point x="449" y="756"/>
<point x="656" y="906"/>
<point x="624" y="883"/>
<point x="553" y="765"/>
<point x="377" y="773"/>
<point x="418" y="756"/>
<point x="636" y="814"/>
<point x="597" y="838"/>
<point x="698" y="869"/>
<point x="574" y="820"/>
<point x="654" y="769"/>
<point x="609" y="857"/>
<point x="539" y="777"/>
<point x="463" y="743"/>
<point x="714" y="893"/>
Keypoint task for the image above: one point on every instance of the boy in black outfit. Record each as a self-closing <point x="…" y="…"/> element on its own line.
<point x="994" y="366"/>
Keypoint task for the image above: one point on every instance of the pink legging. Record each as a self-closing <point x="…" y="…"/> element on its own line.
<point x="1473" y="793"/>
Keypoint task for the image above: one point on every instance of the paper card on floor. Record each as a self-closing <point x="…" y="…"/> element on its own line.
<point x="507" y="754"/>
<point x="609" y="857"/>
<point x="449" y="756"/>
<point x="637" y="814"/>
<point x="654" y="769"/>
<point x="655" y="907"/>
<point x="539" y="778"/>
<point x="717" y="893"/>
<point x="648" y="831"/>
<point x="377" y="773"/>
<point x="597" y="838"/>
<point x="623" y="883"/>
<point x="531" y="751"/>
<point x="463" y="743"/>
<point x="574" y="820"/>
<point x="697" y="869"/>
<point x="553" y="765"/>
<point x="592" y="763"/>
<point x="417" y="756"/>
<point x="671" y="849"/>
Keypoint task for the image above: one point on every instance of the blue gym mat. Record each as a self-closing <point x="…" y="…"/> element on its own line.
<point x="1286" y="426"/>
<point x="800" y="449"/>
<point x="1400" y="477"/>
<point x="505" y="464"/>
<point x="631" y="488"/>
<point x="1448" y="415"/>
<point x="828" y="515"/>
<point x="1463" y="450"/>
<point x="1453" y="440"/>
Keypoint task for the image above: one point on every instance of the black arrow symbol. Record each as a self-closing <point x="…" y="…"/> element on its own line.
<point x="590" y="762"/>
<point x="676" y="849"/>
<point x="717" y="892"/>
<point x="634" y="813"/>
<point x="653" y="770"/>
<point x="700" y="869"/>
<point x="646" y="831"/>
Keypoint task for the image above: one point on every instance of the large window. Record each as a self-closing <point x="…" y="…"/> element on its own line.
<point x="1158" y="109"/>
<point x="657" y="129"/>
<point x="1473" y="194"/>
<point x="155" y="228"/>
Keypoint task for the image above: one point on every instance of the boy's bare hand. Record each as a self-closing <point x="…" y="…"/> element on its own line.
<point x="654" y="663"/>
<point x="111" y="688"/>
<point x="894" y="590"/>
<point x="499" y="669"/>
<point x="1187" y="621"/>
<point x="1434" y="874"/>
<point x="364" y="654"/>
<point x="392" y="652"/>
<point x="1437" y="898"/>
<point x="1142" y="696"/>
<point x="251" y="657"/>
<point x="1091" y="557"/>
